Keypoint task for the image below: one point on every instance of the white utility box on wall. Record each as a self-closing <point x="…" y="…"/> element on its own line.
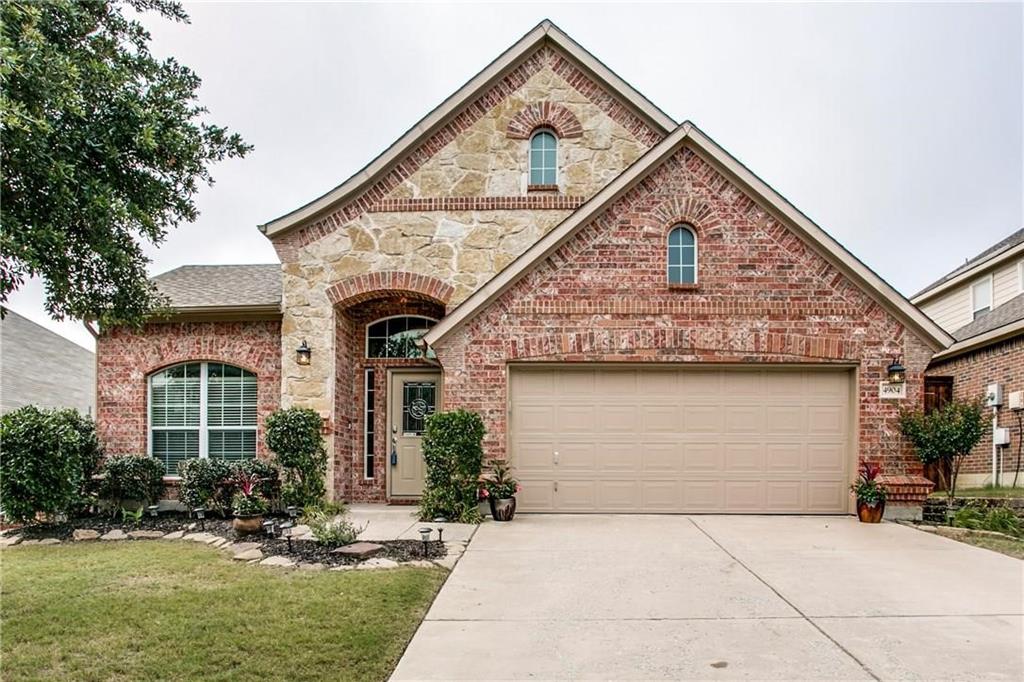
<point x="1016" y="401"/>
<point x="1001" y="436"/>
<point x="994" y="395"/>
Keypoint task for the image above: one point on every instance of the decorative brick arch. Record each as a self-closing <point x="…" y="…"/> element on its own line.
<point x="694" y="212"/>
<point x="359" y="288"/>
<point x="544" y="115"/>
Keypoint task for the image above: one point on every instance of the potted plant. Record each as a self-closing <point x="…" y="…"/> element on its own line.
<point x="870" y="494"/>
<point x="248" y="505"/>
<point x="499" y="489"/>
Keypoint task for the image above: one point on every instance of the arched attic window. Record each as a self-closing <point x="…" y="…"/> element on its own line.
<point x="682" y="255"/>
<point x="543" y="157"/>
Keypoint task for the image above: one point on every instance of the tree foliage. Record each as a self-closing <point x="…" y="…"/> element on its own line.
<point x="947" y="434"/>
<point x="103" y="145"/>
<point x="294" y="436"/>
<point x="49" y="457"/>
<point x="453" y="455"/>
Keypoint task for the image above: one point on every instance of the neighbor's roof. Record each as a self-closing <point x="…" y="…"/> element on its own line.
<point x="545" y="31"/>
<point x="211" y="288"/>
<point x="690" y="135"/>
<point x="1003" y="249"/>
<point x="1011" y="311"/>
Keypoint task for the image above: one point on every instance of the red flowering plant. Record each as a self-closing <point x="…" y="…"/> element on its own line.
<point x="248" y="501"/>
<point x="499" y="484"/>
<point x="867" y="489"/>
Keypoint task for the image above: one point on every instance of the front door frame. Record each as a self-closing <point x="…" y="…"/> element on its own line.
<point x="392" y="376"/>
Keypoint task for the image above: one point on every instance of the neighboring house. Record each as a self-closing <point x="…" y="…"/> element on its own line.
<point x="981" y="303"/>
<point x="39" y="367"/>
<point x="643" y="323"/>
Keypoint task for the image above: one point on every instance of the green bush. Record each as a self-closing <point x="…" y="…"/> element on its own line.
<point x="202" y="484"/>
<point x="333" y="529"/>
<point x="947" y="435"/>
<point x="267" y="472"/>
<point x="969" y="516"/>
<point x="1003" y="520"/>
<point x="453" y="454"/>
<point x="48" y="459"/>
<point x="128" y="478"/>
<point x="294" y="436"/>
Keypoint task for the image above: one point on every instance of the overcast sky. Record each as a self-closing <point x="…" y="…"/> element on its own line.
<point x="896" y="127"/>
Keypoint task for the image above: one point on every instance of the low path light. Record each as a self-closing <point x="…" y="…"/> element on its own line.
<point x="425" y="537"/>
<point x="201" y="515"/>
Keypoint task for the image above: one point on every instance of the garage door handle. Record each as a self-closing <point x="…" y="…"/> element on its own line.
<point x="556" y="457"/>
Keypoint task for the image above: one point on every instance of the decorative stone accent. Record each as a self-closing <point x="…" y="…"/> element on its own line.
<point x="9" y="540"/>
<point x="253" y="554"/>
<point x="44" y="541"/>
<point x="145" y="534"/>
<point x="420" y="563"/>
<point x="343" y="567"/>
<point x="544" y="115"/>
<point x="238" y="547"/>
<point x="360" y="550"/>
<point x="376" y="563"/>
<point x="175" y="535"/>
<point x="359" y="288"/>
<point x="312" y="567"/>
<point x="81" y="534"/>
<point x="205" y="538"/>
<point x="115" y="534"/>
<point x="278" y="561"/>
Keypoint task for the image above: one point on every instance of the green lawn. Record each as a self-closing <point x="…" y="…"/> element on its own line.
<point x="1008" y="546"/>
<point x="985" y="492"/>
<point x="170" y="611"/>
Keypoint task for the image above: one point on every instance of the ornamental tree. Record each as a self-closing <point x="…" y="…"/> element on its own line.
<point x="104" y="145"/>
<point x="947" y="434"/>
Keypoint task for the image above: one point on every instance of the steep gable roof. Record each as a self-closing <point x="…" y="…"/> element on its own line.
<point x="688" y="134"/>
<point x="544" y="33"/>
<point x="217" y="287"/>
<point x="993" y="254"/>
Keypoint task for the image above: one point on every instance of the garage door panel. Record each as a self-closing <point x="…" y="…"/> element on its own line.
<point x="682" y="439"/>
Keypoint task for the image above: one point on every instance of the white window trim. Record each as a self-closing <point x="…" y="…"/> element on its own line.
<point x="203" y="429"/>
<point x="1020" y="277"/>
<point x="696" y="253"/>
<point x="991" y="294"/>
<point x="366" y="333"/>
<point x="368" y="428"/>
<point x="529" y="157"/>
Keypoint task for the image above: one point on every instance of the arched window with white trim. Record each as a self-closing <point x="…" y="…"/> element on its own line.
<point x="543" y="158"/>
<point x="682" y="255"/>
<point x="202" y="409"/>
<point x="396" y="337"/>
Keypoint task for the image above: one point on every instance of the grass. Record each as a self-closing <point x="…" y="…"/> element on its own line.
<point x="169" y="611"/>
<point x="1003" y="545"/>
<point x="987" y="491"/>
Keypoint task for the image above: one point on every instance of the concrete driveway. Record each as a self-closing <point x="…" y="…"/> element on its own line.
<point x="720" y="597"/>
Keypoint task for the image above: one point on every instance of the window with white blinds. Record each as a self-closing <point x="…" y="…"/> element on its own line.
<point x="202" y="409"/>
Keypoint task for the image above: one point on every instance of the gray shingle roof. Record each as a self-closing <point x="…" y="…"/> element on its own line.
<point x="221" y="286"/>
<point x="1008" y="243"/>
<point x="1008" y="312"/>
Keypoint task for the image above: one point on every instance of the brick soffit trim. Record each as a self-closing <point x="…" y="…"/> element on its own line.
<point x="545" y="45"/>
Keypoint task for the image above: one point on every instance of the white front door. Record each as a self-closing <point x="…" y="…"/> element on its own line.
<point x="413" y="396"/>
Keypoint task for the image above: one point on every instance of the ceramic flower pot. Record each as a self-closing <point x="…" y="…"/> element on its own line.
<point x="502" y="509"/>
<point x="870" y="512"/>
<point x="247" y="525"/>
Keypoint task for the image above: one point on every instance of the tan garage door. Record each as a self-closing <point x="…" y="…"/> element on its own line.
<point x="665" y="439"/>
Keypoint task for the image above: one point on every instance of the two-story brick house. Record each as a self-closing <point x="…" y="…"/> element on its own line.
<point x="981" y="303"/>
<point x="644" y="324"/>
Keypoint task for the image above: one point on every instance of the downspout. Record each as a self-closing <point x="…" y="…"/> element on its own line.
<point x="995" y="448"/>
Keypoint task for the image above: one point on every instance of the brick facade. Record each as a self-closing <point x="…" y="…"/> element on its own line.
<point x="1001" y="363"/>
<point x="763" y="296"/>
<point x="126" y="358"/>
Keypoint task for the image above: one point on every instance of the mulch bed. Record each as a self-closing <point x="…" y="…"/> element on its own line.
<point x="313" y="553"/>
<point x="167" y="522"/>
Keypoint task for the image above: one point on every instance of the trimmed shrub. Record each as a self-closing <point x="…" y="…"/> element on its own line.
<point x="453" y="454"/>
<point x="202" y="484"/>
<point x="333" y="529"/>
<point x="294" y="436"/>
<point x="128" y="478"/>
<point x="946" y="435"/>
<point x="49" y="457"/>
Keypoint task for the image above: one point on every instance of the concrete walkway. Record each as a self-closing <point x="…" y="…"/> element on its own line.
<point x="720" y="597"/>
<point x="384" y="522"/>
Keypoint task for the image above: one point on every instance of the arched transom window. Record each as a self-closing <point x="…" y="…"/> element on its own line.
<point x="682" y="255"/>
<point x="202" y="409"/>
<point x="543" y="158"/>
<point x="396" y="337"/>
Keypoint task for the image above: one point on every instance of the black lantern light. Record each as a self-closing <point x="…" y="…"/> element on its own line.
<point x="425" y="537"/>
<point x="286" y="530"/>
<point x="201" y="515"/>
<point x="303" y="353"/>
<point x="440" y="534"/>
<point x="270" y="528"/>
<point x="897" y="372"/>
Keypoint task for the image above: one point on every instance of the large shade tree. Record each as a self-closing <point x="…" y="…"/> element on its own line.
<point x="104" y="147"/>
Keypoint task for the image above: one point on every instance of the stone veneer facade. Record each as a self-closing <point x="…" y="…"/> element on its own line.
<point x="999" y="363"/>
<point x="763" y="296"/>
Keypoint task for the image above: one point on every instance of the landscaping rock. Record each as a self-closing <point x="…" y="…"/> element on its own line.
<point x="145" y="534"/>
<point x="343" y="567"/>
<point x="419" y="563"/>
<point x="9" y="540"/>
<point x="376" y="563"/>
<point x="312" y="567"/>
<point x="279" y="561"/>
<point x="44" y="541"/>
<point x="448" y="561"/>
<point x="359" y="550"/>
<point x="220" y="542"/>
<point x="239" y="547"/>
<point x="81" y="534"/>
<point x="253" y="554"/>
<point x="301" y="529"/>
<point x="176" y="535"/>
<point x="205" y="538"/>
<point x="115" y="534"/>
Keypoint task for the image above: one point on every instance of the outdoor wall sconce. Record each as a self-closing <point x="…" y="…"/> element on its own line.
<point x="303" y="353"/>
<point x="897" y="372"/>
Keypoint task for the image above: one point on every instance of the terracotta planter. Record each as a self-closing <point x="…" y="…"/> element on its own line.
<point x="870" y="513"/>
<point x="247" y="525"/>
<point x="503" y="509"/>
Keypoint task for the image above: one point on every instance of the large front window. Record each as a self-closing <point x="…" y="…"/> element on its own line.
<point x="396" y="337"/>
<point x="202" y="409"/>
